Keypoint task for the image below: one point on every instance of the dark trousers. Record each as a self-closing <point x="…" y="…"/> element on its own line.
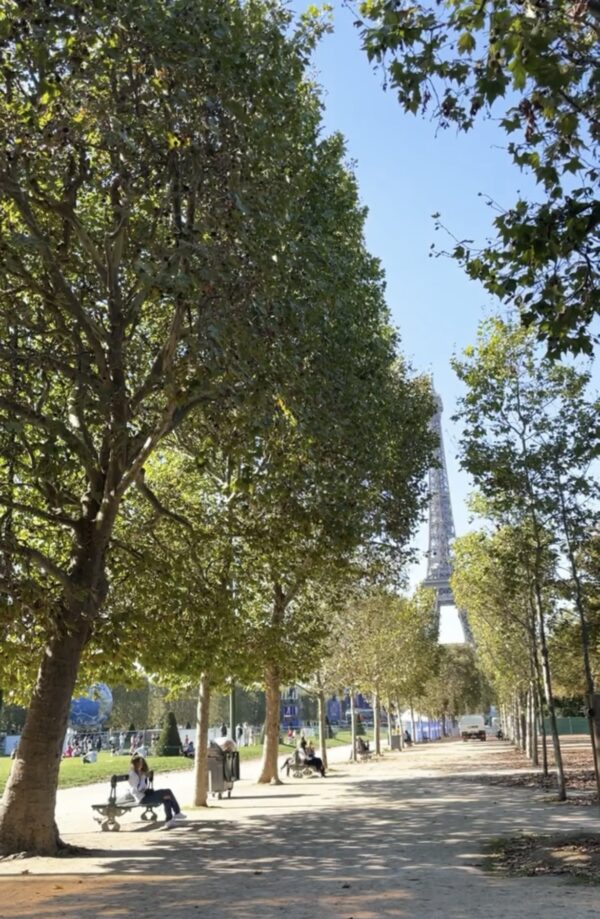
<point x="162" y="796"/>
<point x="316" y="762"/>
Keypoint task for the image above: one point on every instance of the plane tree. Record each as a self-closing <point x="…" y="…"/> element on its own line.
<point x="530" y="434"/>
<point x="533" y="67"/>
<point x="146" y="180"/>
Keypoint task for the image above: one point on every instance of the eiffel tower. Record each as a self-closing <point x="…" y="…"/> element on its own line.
<point x="441" y="527"/>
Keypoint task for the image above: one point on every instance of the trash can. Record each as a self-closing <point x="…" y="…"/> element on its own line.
<point x="396" y="745"/>
<point x="223" y="770"/>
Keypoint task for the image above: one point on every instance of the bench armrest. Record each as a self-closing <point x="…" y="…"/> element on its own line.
<point x="118" y="778"/>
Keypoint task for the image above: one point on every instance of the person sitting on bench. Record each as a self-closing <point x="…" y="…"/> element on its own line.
<point x="311" y="760"/>
<point x="143" y="794"/>
<point x="362" y="747"/>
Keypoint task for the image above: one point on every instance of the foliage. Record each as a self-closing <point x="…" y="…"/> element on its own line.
<point x="145" y="197"/>
<point x="384" y="643"/>
<point x="491" y="581"/>
<point x="169" y="742"/>
<point x="129" y="705"/>
<point x="533" y="67"/>
<point x="458" y="685"/>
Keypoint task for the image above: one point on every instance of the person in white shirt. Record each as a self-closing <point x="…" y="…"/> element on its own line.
<point x="141" y="791"/>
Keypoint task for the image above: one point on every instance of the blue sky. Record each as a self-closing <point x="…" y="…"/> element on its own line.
<point x="406" y="172"/>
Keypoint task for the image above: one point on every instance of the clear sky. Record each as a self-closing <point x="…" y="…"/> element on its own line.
<point x="406" y="172"/>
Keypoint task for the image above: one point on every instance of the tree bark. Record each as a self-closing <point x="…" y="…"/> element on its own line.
<point x="389" y="719"/>
<point x="322" y="727"/>
<point x="269" y="766"/>
<point x="540" y="707"/>
<point x="549" y="695"/>
<point x="27" y="821"/>
<point x="352" y="725"/>
<point x="593" y="723"/>
<point x="377" y="724"/>
<point x="516" y="723"/>
<point x="535" y="756"/>
<point x="523" y="720"/>
<point x="413" y="725"/>
<point x="201" y="758"/>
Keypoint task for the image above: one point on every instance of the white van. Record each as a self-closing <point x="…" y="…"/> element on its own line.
<point x="472" y="727"/>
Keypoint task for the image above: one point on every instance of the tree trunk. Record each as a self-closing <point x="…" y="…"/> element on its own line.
<point x="322" y="727"/>
<point x="523" y="720"/>
<point x="27" y="821"/>
<point x="269" y="766"/>
<point x="201" y="758"/>
<point x="413" y="725"/>
<point x="27" y="818"/>
<point x="352" y="725"/>
<point x="540" y="706"/>
<point x="549" y="695"/>
<point x="535" y="757"/>
<point x="400" y="725"/>
<point x="593" y="722"/>
<point x="377" y="724"/>
<point x="516" y="723"/>
<point x="389" y="718"/>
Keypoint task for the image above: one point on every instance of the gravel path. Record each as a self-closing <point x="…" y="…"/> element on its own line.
<point x="400" y="837"/>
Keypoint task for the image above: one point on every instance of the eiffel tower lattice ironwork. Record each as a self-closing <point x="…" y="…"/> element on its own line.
<point x="441" y="527"/>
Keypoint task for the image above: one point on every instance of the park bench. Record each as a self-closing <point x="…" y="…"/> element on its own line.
<point x="114" y="807"/>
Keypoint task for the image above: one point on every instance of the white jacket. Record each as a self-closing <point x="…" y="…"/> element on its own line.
<point x="138" y="783"/>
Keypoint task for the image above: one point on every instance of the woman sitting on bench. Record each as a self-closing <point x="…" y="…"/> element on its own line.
<point x="310" y="759"/>
<point x="143" y="794"/>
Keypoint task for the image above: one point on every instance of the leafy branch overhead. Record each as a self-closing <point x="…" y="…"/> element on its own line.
<point x="534" y="67"/>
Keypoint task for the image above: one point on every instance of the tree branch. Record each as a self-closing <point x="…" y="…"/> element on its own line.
<point x="156" y="503"/>
<point x="92" y="332"/>
<point x="38" y="512"/>
<point x="41" y="560"/>
<point x="57" y="429"/>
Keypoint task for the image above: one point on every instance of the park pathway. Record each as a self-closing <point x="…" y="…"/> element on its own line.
<point x="403" y="837"/>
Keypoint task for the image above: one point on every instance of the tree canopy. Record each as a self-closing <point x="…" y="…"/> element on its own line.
<point x="534" y="68"/>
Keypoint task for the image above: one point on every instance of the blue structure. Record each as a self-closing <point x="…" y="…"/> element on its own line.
<point x="290" y="708"/>
<point x="334" y="710"/>
<point x="91" y="711"/>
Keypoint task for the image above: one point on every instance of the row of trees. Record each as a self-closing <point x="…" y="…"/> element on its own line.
<point x="208" y="436"/>
<point x="528" y="578"/>
<point x="386" y="646"/>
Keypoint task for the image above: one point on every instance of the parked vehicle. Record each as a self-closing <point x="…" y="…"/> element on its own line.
<point x="472" y="727"/>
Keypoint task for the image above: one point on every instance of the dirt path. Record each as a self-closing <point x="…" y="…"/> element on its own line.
<point x="402" y="837"/>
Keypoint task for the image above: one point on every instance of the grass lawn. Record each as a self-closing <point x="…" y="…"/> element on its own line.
<point x="74" y="772"/>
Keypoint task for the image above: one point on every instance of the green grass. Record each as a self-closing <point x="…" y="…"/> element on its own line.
<point x="73" y="772"/>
